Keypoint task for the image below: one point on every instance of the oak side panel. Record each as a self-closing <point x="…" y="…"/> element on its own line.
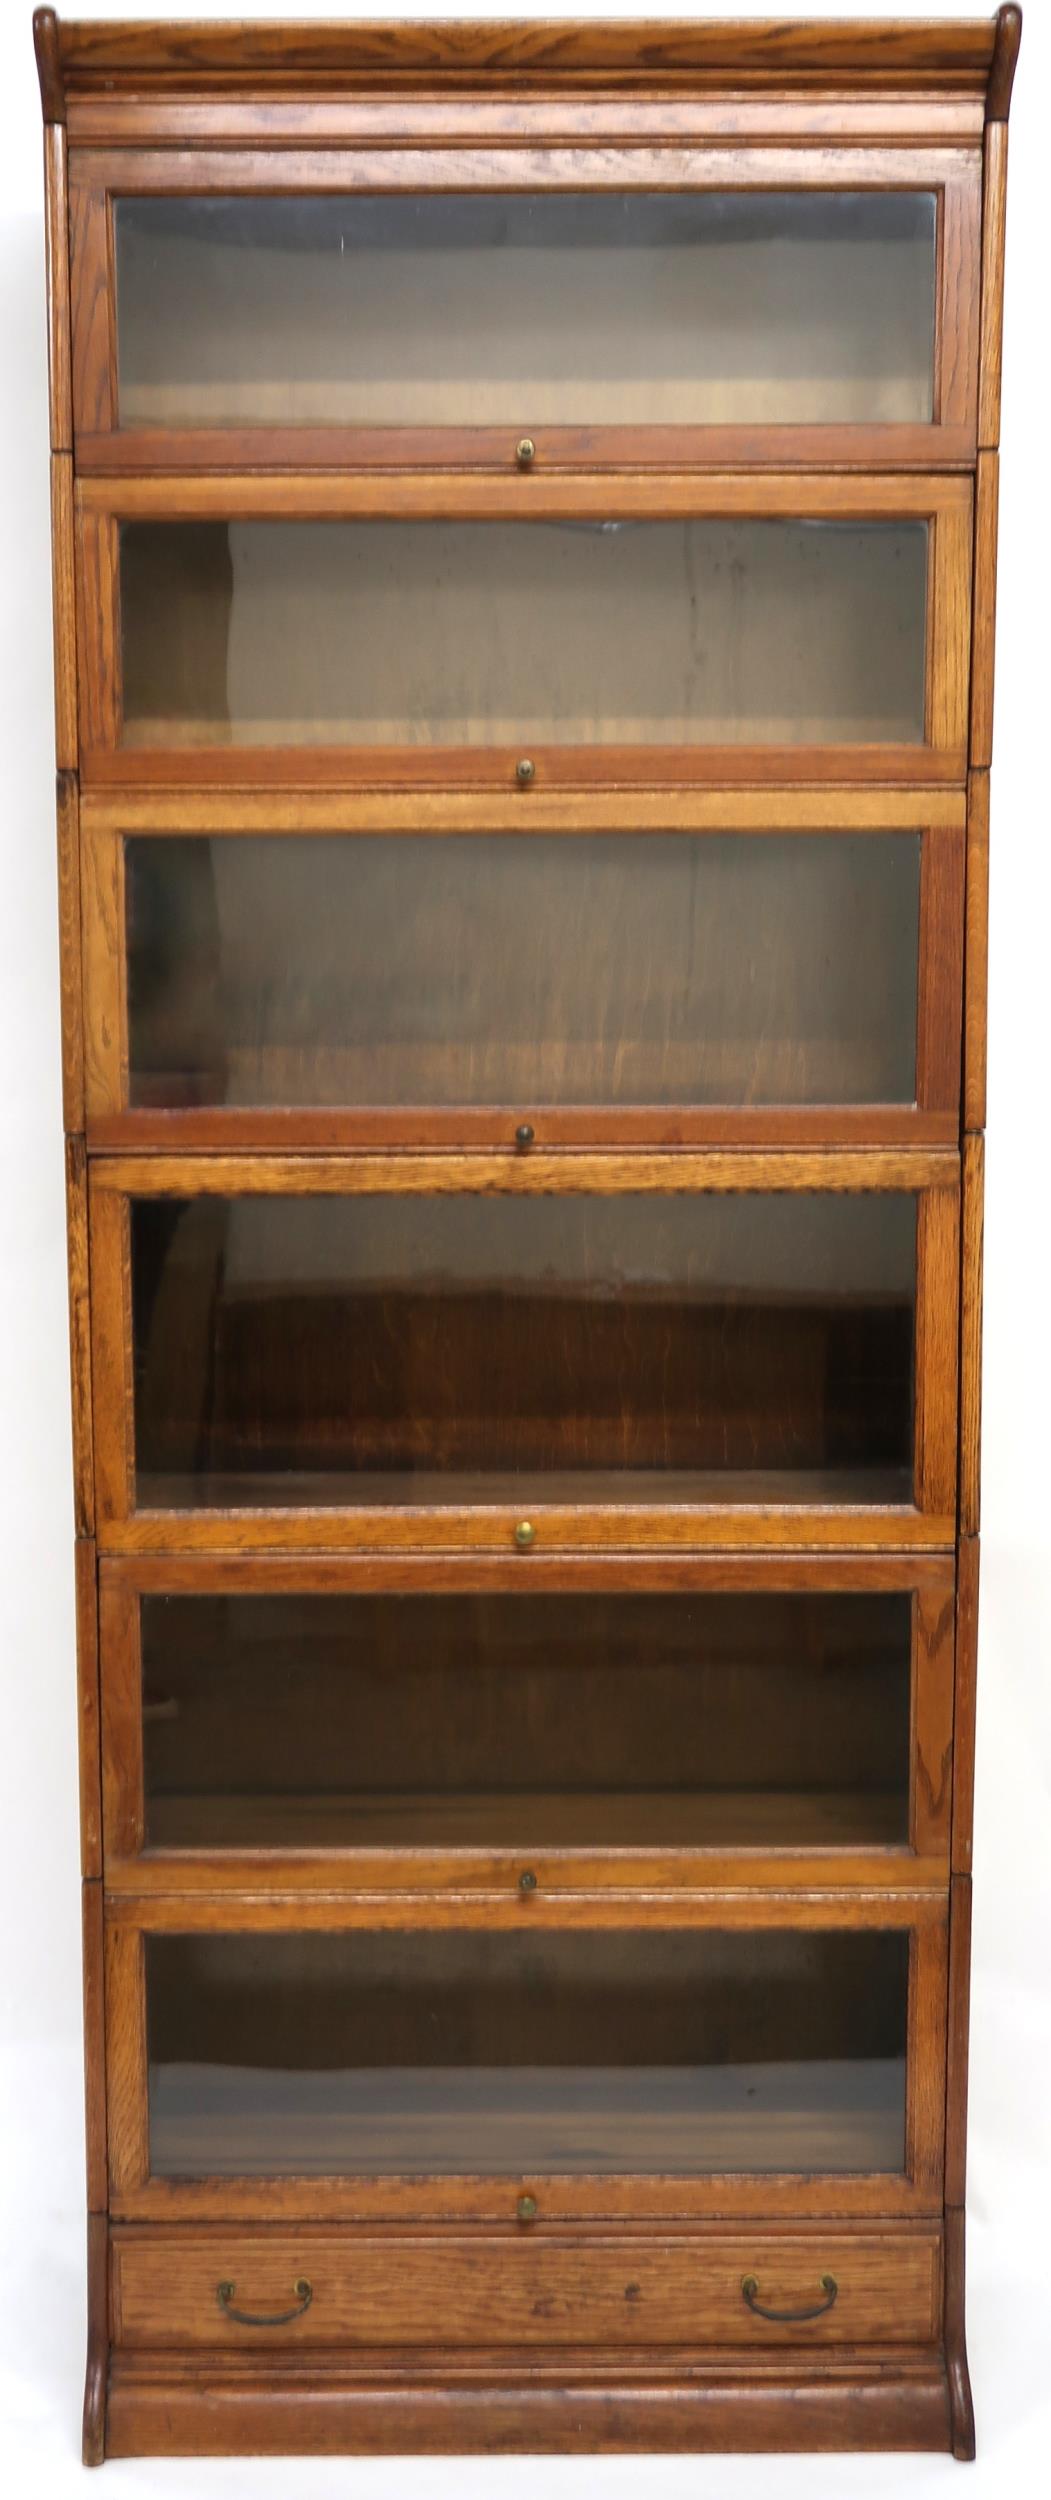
<point x="77" y="1245"/>
<point x="968" y="1574"/>
<point x="959" y="2021"/>
<point x="941" y="941"/>
<point x="976" y="951"/>
<point x="959" y="303"/>
<point x="95" y="2048"/>
<point x="93" y="345"/>
<point x="987" y="497"/>
<point x="127" y="2098"/>
<point x="98" y="580"/>
<point x="971" y="1335"/>
<point x="56" y="251"/>
<point x="949" y="627"/>
<point x="69" y="951"/>
<point x="85" y="1587"/>
<point x="994" y="230"/>
<point x="104" y="980"/>
<point x="64" y="612"/>
<point x="925" y="2112"/>
<point x="122" y="1773"/>
<point x="932" y="1718"/>
<point x="937" y="1323"/>
<point x="112" y="1356"/>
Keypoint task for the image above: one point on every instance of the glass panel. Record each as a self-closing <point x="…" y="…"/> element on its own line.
<point x="523" y="969"/>
<point x="424" y="633"/>
<point x="466" y="1347"/>
<point x="693" y="2051"/>
<point x="687" y="1721"/>
<point x="630" y="308"/>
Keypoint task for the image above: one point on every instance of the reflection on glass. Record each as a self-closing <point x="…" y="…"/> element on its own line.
<point x="692" y="2051"/>
<point x="522" y="969"/>
<point x="519" y="308"/>
<point x="384" y="1348"/>
<point x="687" y="1721"/>
<point x="425" y="633"/>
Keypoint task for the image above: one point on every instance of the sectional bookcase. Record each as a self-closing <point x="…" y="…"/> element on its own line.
<point x="524" y="518"/>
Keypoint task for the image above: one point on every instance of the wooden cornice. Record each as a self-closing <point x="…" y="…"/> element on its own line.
<point x="161" y="59"/>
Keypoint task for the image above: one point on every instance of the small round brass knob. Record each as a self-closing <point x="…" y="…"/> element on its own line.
<point x="525" y="452"/>
<point x="527" y="2209"/>
<point x="525" y="1533"/>
<point x="527" y="1880"/>
<point x="524" y="1135"/>
<point x="525" y="772"/>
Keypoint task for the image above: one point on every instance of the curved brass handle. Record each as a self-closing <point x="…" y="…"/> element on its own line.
<point x="788" y="2317"/>
<point x="304" y="2293"/>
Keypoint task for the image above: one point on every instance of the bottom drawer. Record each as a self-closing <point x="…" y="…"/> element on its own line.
<point x="440" y="2289"/>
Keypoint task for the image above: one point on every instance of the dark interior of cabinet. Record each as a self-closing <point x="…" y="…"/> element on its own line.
<point x="466" y="308"/>
<point x="614" y="2050"/>
<point x="405" y="633"/>
<point x="335" y="1348"/>
<point x="522" y="969"/>
<point x="661" y="1721"/>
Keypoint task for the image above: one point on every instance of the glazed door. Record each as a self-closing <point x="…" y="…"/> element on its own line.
<point x="642" y="305"/>
<point x="377" y="1353"/>
<point x="672" y="1727"/>
<point x="524" y="635"/>
<point x="779" y="965"/>
<point x="739" y="2063"/>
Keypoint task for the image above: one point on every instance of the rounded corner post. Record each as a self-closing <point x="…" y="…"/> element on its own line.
<point x="48" y="49"/>
<point x="1006" y="44"/>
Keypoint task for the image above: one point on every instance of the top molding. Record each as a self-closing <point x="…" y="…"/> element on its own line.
<point x="144" y="58"/>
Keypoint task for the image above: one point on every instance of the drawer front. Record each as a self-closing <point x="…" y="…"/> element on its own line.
<point x="593" y="635"/>
<point x="379" y="1352"/>
<point x="228" y="2288"/>
<point x="627" y="981"/>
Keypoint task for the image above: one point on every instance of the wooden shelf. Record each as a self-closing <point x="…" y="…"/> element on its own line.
<point x="832" y="2116"/>
<point x="670" y="1819"/>
<point x="827" y="1488"/>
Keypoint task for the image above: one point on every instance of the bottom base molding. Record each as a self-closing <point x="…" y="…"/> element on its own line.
<point x="179" y="2406"/>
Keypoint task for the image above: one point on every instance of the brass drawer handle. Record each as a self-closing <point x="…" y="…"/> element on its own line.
<point x="789" y="2317"/>
<point x="304" y="2293"/>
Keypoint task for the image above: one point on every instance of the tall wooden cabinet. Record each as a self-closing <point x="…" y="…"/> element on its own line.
<point x="524" y="541"/>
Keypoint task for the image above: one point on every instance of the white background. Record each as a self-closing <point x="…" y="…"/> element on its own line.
<point x="41" y="2231"/>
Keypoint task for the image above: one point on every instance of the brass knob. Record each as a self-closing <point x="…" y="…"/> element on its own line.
<point x="525" y="452"/>
<point x="525" y="1533"/>
<point x="524" y="1135"/>
<point x="527" y="1880"/>
<point x="527" y="2209"/>
<point x="525" y="772"/>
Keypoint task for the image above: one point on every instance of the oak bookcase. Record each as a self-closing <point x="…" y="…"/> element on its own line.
<point x="524" y="515"/>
